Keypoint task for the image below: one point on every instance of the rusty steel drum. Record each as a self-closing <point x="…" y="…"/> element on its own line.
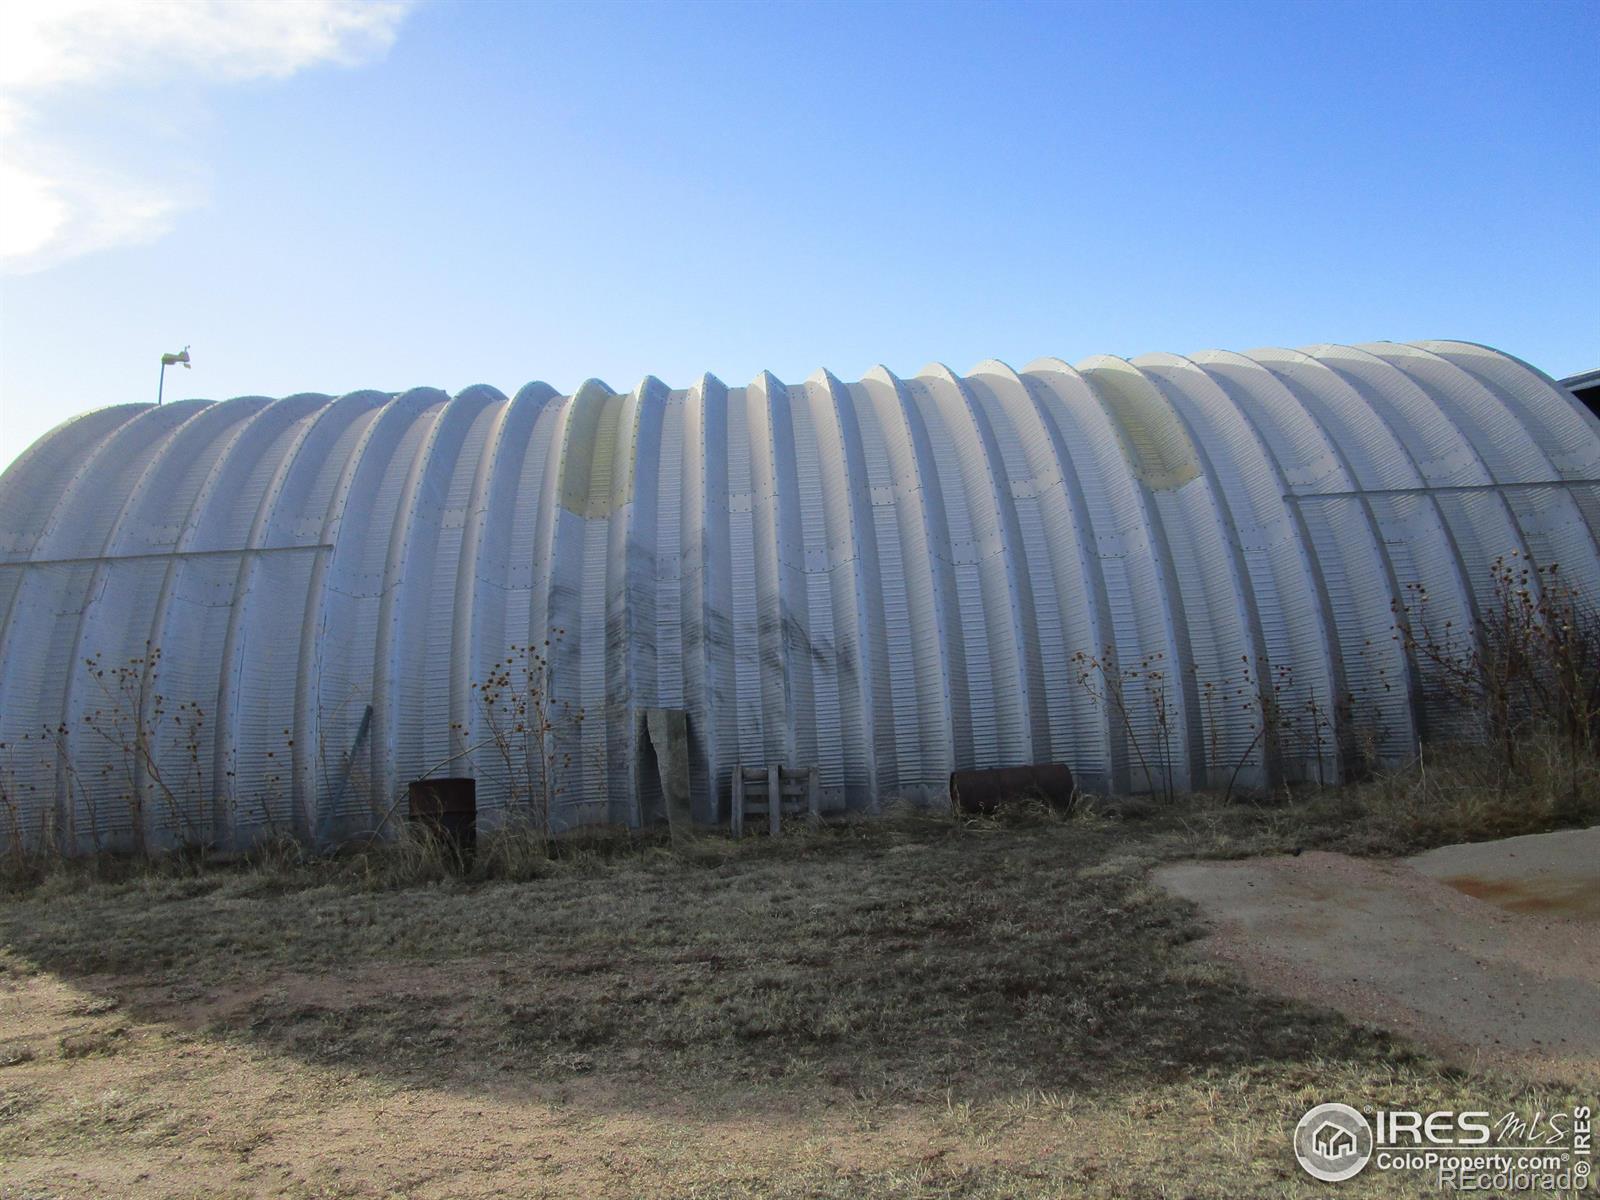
<point x="448" y="809"/>
<point x="983" y="791"/>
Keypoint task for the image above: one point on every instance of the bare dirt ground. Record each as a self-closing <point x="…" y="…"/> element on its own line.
<point x="917" y="1008"/>
<point x="1541" y="874"/>
<point x="1488" y="953"/>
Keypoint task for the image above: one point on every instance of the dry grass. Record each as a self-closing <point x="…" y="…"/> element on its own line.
<point x="894" y="960"/>
<point x="1448" y="794"/>
<point x="918" y="1007"/>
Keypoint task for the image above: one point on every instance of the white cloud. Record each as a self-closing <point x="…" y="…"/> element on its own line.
<point x="56" y="206"/>
<point x="57" y="202"/>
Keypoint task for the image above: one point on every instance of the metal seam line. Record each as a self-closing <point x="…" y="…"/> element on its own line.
<point x="163" y="555"/>
<point x="1445" y="489"/>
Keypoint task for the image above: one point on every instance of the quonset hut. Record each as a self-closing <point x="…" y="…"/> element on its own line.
<point x="224" y="620"/>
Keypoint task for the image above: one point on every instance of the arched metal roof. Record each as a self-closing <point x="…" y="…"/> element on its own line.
<point x="269" y="615"/>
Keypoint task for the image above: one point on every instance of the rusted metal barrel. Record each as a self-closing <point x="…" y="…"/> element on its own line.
<point x="448" y="809"/>
<point x="983" y="791"/>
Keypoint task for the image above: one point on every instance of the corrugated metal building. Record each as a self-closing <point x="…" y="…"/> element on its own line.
<point x="227" y="619"/>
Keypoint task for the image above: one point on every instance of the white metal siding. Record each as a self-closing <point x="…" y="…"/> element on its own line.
<point x="888" y="579"/>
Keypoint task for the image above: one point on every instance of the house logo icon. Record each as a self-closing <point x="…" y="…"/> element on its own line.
<point x="1333" y="1142"/>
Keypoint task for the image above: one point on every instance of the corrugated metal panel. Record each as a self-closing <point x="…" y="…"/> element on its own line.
<point x="887" y="580"/>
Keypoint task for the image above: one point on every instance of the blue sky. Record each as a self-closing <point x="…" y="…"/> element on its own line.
<point x="324" y="196"/>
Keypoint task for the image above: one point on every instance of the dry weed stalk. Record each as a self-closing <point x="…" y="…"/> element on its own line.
<point x="1529" y="666"/>
<point x="527" y="731"/>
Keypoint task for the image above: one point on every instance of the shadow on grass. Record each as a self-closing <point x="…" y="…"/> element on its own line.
<point x="888" y="961"/>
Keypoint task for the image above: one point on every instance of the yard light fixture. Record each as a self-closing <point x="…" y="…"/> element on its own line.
<point x="168" y="360"/>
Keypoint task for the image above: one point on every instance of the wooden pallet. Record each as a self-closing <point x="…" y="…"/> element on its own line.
<point x="797" y="789"/>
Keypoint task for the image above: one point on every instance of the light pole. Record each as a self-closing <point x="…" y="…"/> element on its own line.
<point x="166" y="361"/>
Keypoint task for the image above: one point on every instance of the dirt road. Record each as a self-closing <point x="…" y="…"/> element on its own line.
<point x="1489" y="953"/>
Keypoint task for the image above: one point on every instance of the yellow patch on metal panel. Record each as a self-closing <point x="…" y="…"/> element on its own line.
<point x="1165" y="457"/>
